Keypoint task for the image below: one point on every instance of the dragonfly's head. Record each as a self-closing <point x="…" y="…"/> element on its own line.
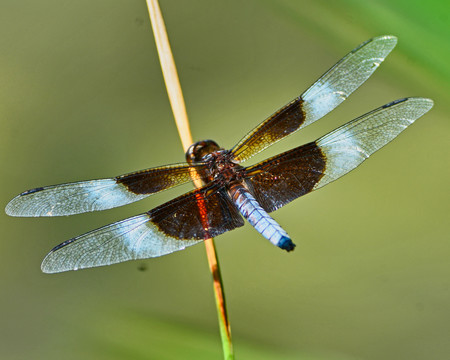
<point x="199" y="150"/>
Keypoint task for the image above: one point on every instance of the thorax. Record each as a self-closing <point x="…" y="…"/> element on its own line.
<point x="220" y="165"/>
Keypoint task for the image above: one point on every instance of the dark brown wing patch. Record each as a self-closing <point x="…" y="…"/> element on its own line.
<point x="199" y="214"/>
<point x="153" y="180"/>
<point x="284" y="122"/>
<point x="287" y="176"/>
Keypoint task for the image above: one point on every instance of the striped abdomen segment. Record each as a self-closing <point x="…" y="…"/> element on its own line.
<point x="259" y="219"/>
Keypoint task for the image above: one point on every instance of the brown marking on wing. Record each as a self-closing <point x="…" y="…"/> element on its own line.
<point x="284" y="122"/>
<point x="287" y="176"/>
<point x="200" y="214"/>
<point x="153" y="180"/>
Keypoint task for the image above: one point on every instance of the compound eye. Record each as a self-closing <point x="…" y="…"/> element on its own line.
<point x="199" y="150"/>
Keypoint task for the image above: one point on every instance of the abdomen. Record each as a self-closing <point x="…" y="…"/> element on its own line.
<point x="258" y="217"/>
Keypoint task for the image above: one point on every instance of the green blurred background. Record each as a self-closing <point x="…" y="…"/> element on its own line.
<point x="82" y="96"/>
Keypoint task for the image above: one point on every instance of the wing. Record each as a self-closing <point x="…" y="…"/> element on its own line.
<point x="322" y="97"/>
<point x="93" y="195"/>
<point x="285" y="177"/>
<point x="173" y="226"/>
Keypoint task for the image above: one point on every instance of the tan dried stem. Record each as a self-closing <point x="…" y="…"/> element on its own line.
<point x="181" y="119"/>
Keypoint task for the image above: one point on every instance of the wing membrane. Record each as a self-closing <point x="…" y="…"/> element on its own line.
<point x="93" y="195"/>
<point x="130" y="239"/>
<point x="170" y="227"/>
<point x="285" y="177"/>
<point x="349" y="145"/>
<point x="200" y="214"/>
<point x="322" y="97"/>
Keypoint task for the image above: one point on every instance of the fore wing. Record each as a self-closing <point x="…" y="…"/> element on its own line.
<point x="101" y="194"/>
<point x="322" y="97"/>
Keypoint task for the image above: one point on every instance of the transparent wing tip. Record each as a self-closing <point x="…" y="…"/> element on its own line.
<point x="424" y="103"/>
<point x="9" y="209"/>
<point x="387" y="42"/>
<point x="386" y="37"/>
<point x="415" y="107"/>
<point x="49" y="266"/>
<point x="13" y="208"/>
<point x="428" y="101"/>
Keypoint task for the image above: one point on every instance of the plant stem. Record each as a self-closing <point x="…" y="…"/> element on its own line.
<point x="179" y="111"/>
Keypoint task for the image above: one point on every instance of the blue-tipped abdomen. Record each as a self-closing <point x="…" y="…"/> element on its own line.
<point x="286" y="243"/>
<point x="252" y="211"/>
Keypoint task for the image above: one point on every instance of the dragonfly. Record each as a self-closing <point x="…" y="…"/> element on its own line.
<point x="230" y="192"/>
